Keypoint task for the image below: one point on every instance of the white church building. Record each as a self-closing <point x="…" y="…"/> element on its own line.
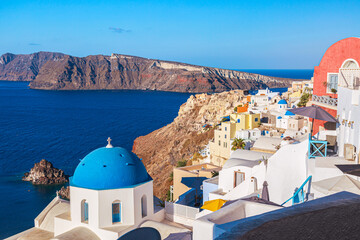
<point x="111" y="194"/>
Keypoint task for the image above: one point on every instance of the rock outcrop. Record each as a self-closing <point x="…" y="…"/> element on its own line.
<point x="163" y="148"/>
<point x="43" y="173"/>
<point x="56" y="71"/>
<point x="64" y="193"/>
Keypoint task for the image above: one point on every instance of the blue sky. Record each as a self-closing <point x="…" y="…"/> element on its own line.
<point x="228" y="34"/>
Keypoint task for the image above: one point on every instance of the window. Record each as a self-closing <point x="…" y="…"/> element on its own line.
<point x="238" y="120"/>
<point x="225" y="145"/>
<point x="219" y="143"/>
<point x="350" y="64"/>
<point x="116" y="211"/>
<point x="143" y="206"/>
<point x="256" y="119"/>
<point x="225" y="128"/>
<point x="332" y="82"/>
<point x="84" y="211"/>
<point x="239" y="177"/>
<point x="225" y="136"/>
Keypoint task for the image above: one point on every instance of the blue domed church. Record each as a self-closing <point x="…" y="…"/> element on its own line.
<point x="111" y="193"/>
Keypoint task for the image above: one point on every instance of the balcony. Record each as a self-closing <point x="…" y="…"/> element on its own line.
<point x="349" y="78"/>
<point x="327" y="100"/>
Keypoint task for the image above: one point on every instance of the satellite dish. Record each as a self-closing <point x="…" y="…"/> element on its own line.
<point x="142" y="233"/>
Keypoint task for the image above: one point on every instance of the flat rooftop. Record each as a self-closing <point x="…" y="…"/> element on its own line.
<point x="332" y="217"/>
<point x="201" y="167"/>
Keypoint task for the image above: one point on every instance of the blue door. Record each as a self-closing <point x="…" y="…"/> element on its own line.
<point x="116" y="212"/>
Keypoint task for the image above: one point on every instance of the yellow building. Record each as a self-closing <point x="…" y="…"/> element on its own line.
<point x="296" y="94"/>
<point x="301" y="85"/>
<point x="220" y="147"/>
<point x="200" y="170"/>
<point x="245" y="120"/>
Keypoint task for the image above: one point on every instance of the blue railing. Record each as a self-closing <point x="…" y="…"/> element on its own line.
<point x="300" y="194"/>
<point x="316" y="147"/>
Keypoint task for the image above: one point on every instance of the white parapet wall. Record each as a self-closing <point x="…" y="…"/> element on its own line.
<point x="212" y="225"/>
<point x="39" y="219"/>
<point x="180" y="213"/>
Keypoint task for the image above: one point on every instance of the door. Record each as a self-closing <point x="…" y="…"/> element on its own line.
<point x="239" y="177"/>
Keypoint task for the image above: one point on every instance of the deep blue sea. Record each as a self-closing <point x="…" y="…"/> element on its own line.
<point x="62" y="127"/>
<point x="284" y="73"/>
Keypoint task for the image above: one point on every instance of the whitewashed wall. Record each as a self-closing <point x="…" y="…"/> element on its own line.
<point x="286" y="170"/>
<point x="348" y="109"/>
<point x="100" y="209"/>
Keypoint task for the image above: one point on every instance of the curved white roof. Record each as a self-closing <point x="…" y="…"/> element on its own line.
<point x="245" y="158"/>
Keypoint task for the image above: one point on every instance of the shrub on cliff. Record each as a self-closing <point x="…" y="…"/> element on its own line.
<point x="181" y="163"/>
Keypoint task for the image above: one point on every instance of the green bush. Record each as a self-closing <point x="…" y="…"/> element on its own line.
<point x="181" y="163"/>
<point x="304" y="99"/>
<point x="168" y="196"/>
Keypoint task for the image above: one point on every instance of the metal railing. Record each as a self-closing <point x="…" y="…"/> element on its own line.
<point x="300" y="194"/>
<point x="325" y="100"/>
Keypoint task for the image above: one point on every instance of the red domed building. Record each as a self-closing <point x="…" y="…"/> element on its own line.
<point x="338" y="67"/>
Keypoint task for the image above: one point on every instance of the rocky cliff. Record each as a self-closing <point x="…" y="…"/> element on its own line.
<point x="163" y="148"/>
<point x="25" y="67"/>
<point x="44" y="173"/>
<point x="56" y="71"/>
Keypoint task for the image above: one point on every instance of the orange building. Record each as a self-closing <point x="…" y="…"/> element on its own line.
<point x="242" y="109"/>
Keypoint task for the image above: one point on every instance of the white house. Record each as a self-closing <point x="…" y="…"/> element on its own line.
<point x="245" y="172"/>
<point x="259" y="100"/>
<point x="251" y="134"/>
<point x="238" y="170"/>
<point x="240" y="167"/>
<point x="268" y="93"/>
